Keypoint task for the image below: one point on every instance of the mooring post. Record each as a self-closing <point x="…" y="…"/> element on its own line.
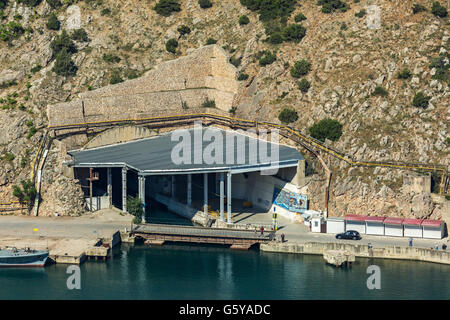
<point x="124" y="189"/>
<point x="205" y="193"/>
<point x="222" y="196"/>
<point x="229" y="197"/>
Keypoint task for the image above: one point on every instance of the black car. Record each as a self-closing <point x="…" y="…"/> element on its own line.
<point x="350" y="234"/>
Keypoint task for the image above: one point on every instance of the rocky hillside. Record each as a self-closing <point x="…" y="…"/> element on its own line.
<point x="363" y="64"/>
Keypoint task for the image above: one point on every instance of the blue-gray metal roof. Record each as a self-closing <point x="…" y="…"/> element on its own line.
<point x="154" y="155"/>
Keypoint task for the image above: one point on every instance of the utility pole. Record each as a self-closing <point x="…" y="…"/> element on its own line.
<point x="93" y="176"/>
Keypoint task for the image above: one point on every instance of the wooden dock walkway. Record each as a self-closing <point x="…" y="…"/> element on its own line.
<point x="238" y="239"/>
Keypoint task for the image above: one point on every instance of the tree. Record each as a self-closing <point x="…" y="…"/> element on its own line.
<point x="288" y="115"/>
<point x="25" y="194"/>
<point x="266" y="57"/>
<point x="64" y="66"/>
<point x="294" y="32"/>
<point x="326" y="129"/>
<point x="182" y="30"/>
<point x="61" y="42"/>
<point x="80" y="35"/>
<point x="304" y="85"/>
<point x="30" y="3"/>
<point x="3" y="4"/>
<point x="167" y="7"/>
<point x="299" y="17"/>
<point x="420" y="100"/>
<point x="438" y="10"/>
<point x="211" y="41"/>
<point x="171" y="45"/>
<point x="418" y="8"/>
<point x="244" y="20"/>
<point x="135" y="208"/>
<point x="205" y="4"/>
<point x="404" y="74"/>
<point x="54" y="4"/>
<point x="53" y="22"/>
<point x="300" y="68"/>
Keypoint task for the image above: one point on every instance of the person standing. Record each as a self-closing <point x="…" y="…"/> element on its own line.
<point x="410" y="242"/>
<point x="282" y="237"/>
<point x="262" y="231"/>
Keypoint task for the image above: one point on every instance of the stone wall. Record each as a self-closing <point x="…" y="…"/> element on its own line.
<point x="203" y="74"/>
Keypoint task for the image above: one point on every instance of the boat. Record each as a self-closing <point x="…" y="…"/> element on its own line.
<point x="13" y="257"/>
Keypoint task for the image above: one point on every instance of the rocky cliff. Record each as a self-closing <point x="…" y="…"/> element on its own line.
<point x="355" y="59"/>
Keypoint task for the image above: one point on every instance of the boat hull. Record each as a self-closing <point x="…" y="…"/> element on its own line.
<point x="35" y="260"/>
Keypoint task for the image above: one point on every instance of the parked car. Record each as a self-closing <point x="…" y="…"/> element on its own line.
<point x="350" y="234"/>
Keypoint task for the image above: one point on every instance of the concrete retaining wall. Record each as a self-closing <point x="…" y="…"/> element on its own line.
<point x="389" y="252"/>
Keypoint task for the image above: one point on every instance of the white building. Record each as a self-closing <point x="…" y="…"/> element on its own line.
<point x="412" y="228"/>
<point x="335" y="225"/>
<point x="433" y="229"/>
<point x="375" y="225"/>
<point x="393" y="227"/>
<point x="355" y="222"/>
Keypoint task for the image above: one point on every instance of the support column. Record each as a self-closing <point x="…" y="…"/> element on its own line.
<point x="222" y="196"/>
<point x="173" y="187"/>
<point x="189" y="189"/>
<point x="229" y="197"/>
<point x="109" y="179"/>
<point x="205" y="193"/>
<point x="124" y="189"/>
<point x="141" y="189"/>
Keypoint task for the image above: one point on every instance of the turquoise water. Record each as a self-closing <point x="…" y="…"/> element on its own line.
<point x="205" y="272"/>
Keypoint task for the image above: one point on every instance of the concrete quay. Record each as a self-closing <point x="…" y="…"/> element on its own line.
<point x="360" y="250"/>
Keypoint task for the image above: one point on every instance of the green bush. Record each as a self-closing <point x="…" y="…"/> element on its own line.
<point x="270" y="9"/>
<point x="361" y="13"/>
<point x="80" y="35"/>
<point x="115" y="78"/>
<point x="244" y="20"/>
<point x="288" y="115"/>
<point x="304" y="85"/>
<point x="111" y="58"/>
<point x="211" y="41"/>
<point x="11" y="30"/>
<point x="135" y="207"/>
<point x="63" y="41"/>
<point x="167" y="7"/>
<point x="182" y="30"/>
<point x="275" y="38"/>
<point x="32" y="132"/>
<point x="329" y="6"/>
<point x="326" y="129"/>
<point x="420" y="100"/>
<point x="294" y="32"/>
<point x="266" y="57"/>
<point x="300" y="68"/>
<point x="36" y="68"/>
<point x="25" y="194"/>
<point x="404" y="74"/>
<point x="171" y="45"/>
<point x="209" y="103"/>
<point x="242" y="77"/>
<point x="30" y="3"/>
<point x="54" y="4"/>
<point x="64" y="65"/>
<point x="418" y="8"/>
<point x="3" y="4"/>
<point x="9" y="156"/>
<point x="53" y="22"/>
<point x="441" y="67"/>
<point x="380" y="91"/>
<point x="204" y="4"/>
<point x="299" y="17"/>
<point x="438" y="10"/>
<point x="105" y="12"/>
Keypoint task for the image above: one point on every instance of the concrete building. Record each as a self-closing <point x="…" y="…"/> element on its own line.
<point x="412" y="228"/>
<point x="393" y="227"/>
<point x="375" y="225"/>
<point x="355" y="222"/>
<point x="433" y="229"/>
<point x="191" y="176"/>
<point x="335" y="225"/>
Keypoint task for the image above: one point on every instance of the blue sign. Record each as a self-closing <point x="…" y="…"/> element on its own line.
<point x="291" y="201"/>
